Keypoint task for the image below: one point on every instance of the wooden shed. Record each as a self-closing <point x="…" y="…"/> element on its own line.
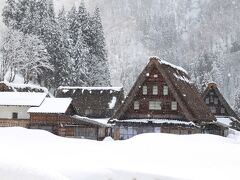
<point x="163" y="99"/>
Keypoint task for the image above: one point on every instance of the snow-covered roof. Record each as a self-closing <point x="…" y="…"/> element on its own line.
<point x="182" y="78"/>
<point x="101" y="100"/>
<point x="90" y="88"/>
<point x="225" y="120"/>
<point x="52" y="105"/>
<point x="96" y="121"/>
<point x="21" y="98"/>
<point x="161" y="61"/>
<point x="156" y="121"/>
<point x="15" y="87"/>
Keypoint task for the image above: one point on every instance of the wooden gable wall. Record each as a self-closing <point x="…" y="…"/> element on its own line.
<point x="153" y="78"/>
<point x="214" y="104"/>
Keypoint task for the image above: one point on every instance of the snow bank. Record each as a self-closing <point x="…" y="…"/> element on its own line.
<point x="35" y="154"/>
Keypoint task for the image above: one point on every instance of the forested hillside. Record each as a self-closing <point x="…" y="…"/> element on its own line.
<point x="203" y="36"/>
<point x="53" y="49"/>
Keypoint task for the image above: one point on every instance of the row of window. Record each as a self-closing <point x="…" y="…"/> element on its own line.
<point x="155" y="105"/>
<point x="214" y="110"/>
<point x="128" y="132"/>
<point x="211" y="100"/>
<point x="155" y="90"/>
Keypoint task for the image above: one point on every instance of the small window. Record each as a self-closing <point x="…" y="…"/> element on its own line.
<point x="211" y="99"/>
<point x="88" y="111"/>
<point x="222" y="110"/>
<point x="174" y="105"/>
<point x="215" y="100"/>
<point x="136" y="105"/>
<point x="165" y="90"/>
<point x="213" y="109"/>
<point x="14" y="115"/>
<point x="155" y="105"/>
<point x="144" y="89"/>
<point x="207" y="100"/>
<point x="155" y="76"/>
<point x="155" y="90"/>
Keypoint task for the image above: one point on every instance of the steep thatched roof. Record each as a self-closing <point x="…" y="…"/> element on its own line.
<point x="213" y="87"/>
<point x="182" y="88"/>
<point x="100" y="101"/>
<point x="13" y="87"/>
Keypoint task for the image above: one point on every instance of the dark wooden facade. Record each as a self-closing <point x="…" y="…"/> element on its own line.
<point x="67" y="125"/>
<point x="219" y="106"/>
<point x="215" y="128"/>
<point x="123" y="131"/>
<point x="216" y="102"/>
<point x="165" y="92"/>
<point x="154" y="78"/>
<point x="13" y="123"/>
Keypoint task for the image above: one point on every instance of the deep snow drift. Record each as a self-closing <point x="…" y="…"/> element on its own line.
<point x="35" y="154"/>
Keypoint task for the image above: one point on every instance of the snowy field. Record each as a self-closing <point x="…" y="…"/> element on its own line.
<point x="39" y="155"/>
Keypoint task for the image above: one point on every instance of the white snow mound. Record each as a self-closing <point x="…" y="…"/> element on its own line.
<point x="36" y="154"/>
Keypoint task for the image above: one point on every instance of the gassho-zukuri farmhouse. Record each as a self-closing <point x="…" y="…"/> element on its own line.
<point x="162" y="100"/>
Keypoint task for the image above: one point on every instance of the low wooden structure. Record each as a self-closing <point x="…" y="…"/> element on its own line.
<point x="218" y="105"/>
<point x="163" y="99"/>
<point x="58" y="116"/>
<point x="15" y="123"/>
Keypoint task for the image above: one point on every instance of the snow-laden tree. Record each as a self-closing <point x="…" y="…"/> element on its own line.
<point x="35" y="60"/>
<point x="64" y="45"/>
<point x="80" y="55"/>
<point x="72" y="24"/>
<point x="217" y="73"/>
<point x="237" y="102"/>
<point x="201" y="70"/>
<point x="24" y="54"/>
<point x="12" y="52"/>
<point x="9" y="14"/>
<point x="98" y="64"/>
<point x="75" y="43"/>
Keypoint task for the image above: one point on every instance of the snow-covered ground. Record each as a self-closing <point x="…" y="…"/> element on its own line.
<point x="35" y="154"/>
